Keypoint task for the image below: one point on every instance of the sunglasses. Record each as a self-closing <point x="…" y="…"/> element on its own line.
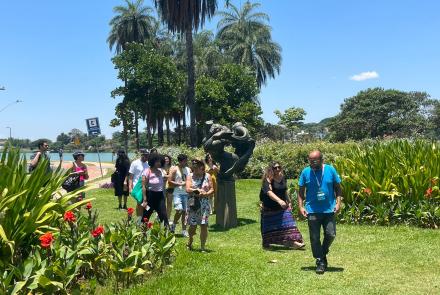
<point x="276" y="168"/>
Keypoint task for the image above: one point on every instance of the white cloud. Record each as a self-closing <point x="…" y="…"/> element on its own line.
<point x="365" y="76"/>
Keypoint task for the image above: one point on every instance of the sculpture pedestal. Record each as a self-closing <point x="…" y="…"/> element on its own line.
<point x="226" y="211"/>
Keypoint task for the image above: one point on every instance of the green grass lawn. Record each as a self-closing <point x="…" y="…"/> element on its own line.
<point x="363" y="259"/>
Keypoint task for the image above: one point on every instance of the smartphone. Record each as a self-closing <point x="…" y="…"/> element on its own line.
<point x="196" y="192"/>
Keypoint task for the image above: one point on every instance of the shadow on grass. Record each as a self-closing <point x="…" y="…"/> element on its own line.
<point x="240" y="222"/>
<point x="279" y="248"/>
<point x="329" y="269"/>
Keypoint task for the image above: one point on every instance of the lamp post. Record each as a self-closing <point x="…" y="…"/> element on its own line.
<point x="10" y="133"/>
<point x="8" y="105"/>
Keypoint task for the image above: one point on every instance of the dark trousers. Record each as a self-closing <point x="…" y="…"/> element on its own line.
<point x="156" y="201"/>
<point x="328" y="223"/>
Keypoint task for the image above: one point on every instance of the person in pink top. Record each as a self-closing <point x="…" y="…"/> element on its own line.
<point x="78" y="167"/>
<point x="153" y="188"/>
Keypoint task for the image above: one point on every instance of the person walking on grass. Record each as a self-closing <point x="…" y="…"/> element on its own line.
<point x="169" y="188"/>
<point x="278" y="226"/>
<point x="177" y="179"/>
<point x="199" y="187"/>
<point x="120" y="178"/>
<point x="153" y="189"/>
<point x="319" y="199"/>
<point x="212" y="169"/>
<point x="134" y="175"/>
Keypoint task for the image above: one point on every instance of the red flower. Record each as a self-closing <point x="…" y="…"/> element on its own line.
<point x="367" y="190"/>
<point x="89" y="206"/>
<point x="69" y="216"/>
<point x="130" y="211"/>
<point x="149" y="225"/>
<point x="428" y="192"/>
<point x="46" y="240"/>
<point x="145" y="219"/>
<point x="98" y="231"/>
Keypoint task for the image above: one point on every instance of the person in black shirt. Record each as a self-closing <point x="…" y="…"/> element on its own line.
<point x="120" y="178"/>
<point x="277" y="223"/>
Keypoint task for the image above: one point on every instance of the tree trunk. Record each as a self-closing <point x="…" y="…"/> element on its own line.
<point x="191" y="86"/>
<point x="136" y="126"/>
<point x="179" y="129"/>
<point x="160" y="130"/>
<point x="167" y="124"/>
<point x="184" y="124"/>
<point x="125" y="134"/>
<point x="149" y="135"/>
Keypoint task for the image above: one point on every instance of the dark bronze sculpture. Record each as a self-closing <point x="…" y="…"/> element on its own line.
<point x="217" y="139"/>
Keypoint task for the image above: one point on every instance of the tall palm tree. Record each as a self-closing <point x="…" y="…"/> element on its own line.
<point x="183" y="17"/>
<point x="245" y="35"/>
<point x="132" y="23"/>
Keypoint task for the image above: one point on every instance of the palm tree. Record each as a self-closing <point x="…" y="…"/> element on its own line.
<point x="183" y="17"/>
<point x="246" y="37"/>
<point x="132" y="23"/>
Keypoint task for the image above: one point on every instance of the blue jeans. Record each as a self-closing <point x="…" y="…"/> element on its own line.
<point x="328" y="223"/>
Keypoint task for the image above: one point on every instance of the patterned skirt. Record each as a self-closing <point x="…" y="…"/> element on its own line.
<point x="278" y="227"/>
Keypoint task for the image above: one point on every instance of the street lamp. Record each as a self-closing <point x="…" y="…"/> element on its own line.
<point x="10" y="133"/>
<point x="8" y="105"/>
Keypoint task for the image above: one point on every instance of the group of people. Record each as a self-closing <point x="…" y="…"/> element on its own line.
<point x="190" y="189"/>
<point x="319" y="199"/>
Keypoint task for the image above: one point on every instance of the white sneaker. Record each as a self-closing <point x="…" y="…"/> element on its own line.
<point x="185" y="233"/>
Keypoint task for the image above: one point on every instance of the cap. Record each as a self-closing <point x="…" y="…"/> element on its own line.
<point x="144" y="151"/>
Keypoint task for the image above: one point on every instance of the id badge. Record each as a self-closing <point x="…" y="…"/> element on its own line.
<point x="321" y="195"/>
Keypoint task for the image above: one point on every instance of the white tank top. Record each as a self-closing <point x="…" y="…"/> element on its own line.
<point x="180" y="190"/>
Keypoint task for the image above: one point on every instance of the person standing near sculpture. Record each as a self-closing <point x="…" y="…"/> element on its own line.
<point x="319" y="199"/>
<point x="212" y="169"/>
<point x="277" y="224"/>
<point x="199" y="187"/>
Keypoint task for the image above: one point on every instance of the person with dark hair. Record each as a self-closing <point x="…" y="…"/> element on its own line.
<point x="137" y="167"/>
<point x="41" y="154"/>
<point x="177" y="179"/>
<point x="78" y="167"/>
<point x="320" y="190"/>
<point x="120" y="178"/>
<point x="212" y="169"/>
<point x="153" y="151"/>
<point x="199" y="186"/>
<point x="152" y="189"/>
<point x="277" y="223"/>
<point x="169" y="188"/>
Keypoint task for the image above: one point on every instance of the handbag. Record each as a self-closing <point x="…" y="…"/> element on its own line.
<point x="114" y="177"/>
<point x="136" y="193"/>
<point x="71" y="183"/>
<point x="194" y="202"/>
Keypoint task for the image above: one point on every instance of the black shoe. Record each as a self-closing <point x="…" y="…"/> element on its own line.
<point x="119" y="207"/>
<point x="320" y="267"/>
<point x="324" y="260"/>
<point x="125" y="207"/>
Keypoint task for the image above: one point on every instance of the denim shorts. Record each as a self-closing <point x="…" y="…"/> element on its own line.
<point x="180" y="201"/>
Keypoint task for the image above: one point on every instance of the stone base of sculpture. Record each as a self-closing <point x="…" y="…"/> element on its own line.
<point x="226" y="211"/>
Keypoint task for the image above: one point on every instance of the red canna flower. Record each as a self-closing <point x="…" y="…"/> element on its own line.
<point x="367" y="190"/>
<point x="46" y="240"/>
<point x="428" y="192"/>
<point x="145" y="219"/>
<point x="98" y="231"/>
<point x="89" y="206"/>
<point x="149" y="225"/>
<point x="69" y="216"/>
<point x="130" y="211"/>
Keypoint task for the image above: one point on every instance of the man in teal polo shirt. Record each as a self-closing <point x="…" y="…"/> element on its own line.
<point x="319" y="186"/>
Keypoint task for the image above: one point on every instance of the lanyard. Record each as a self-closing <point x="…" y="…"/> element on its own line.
<point x="322" y="176"/>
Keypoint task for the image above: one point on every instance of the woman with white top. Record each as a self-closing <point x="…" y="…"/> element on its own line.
<point x="153" y="189"/>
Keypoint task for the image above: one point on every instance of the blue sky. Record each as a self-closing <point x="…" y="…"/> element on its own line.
<point x="54" y="57"/>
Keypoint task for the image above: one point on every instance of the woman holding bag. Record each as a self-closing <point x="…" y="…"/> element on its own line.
<point x="153" y="189"/>
<point x="199" y="187"/>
